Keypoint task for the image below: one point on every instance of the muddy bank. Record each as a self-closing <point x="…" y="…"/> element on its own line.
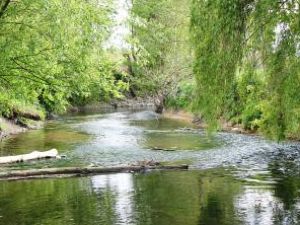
<point x="18" y="125"/>
<point x="199" y="123"/>
<point x="9" y="127"/>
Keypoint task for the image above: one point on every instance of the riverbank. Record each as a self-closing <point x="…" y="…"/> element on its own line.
<point x="199" y="123"/>
<point x="34" y="121"/>
<point x="20" y="122"/>
<point x="16" y="126"/>
<point x="135" y="104"/>
<point x="28" y="118"/>
<point x="225" y="125"/>
<point x="9" y="127"/>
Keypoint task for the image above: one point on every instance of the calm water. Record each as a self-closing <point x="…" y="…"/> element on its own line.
<point x="236" y="179"/>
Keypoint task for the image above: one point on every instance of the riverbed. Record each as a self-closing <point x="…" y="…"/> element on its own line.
<point x="234" y="178"/>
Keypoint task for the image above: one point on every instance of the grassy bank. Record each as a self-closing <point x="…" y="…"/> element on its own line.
<point x="189" y="117"/>
<point x="181" y="105"/>
<point x="16" y="117"/>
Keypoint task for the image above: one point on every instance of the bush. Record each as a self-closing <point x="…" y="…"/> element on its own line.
<point x="183" y="97"/>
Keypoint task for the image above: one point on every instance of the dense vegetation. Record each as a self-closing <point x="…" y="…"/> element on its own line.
<point x="52" y="55"/>
<point x="246" y="60"/>
<point x="159" y="56"/>
<point x="244" y="56"/>
<point x="247" y="63"/>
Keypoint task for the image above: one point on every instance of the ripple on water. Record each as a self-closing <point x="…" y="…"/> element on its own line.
<point x="245" y="179"/>
<point x="127" y="137"/>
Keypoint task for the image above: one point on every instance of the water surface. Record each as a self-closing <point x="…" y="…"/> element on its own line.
<point x="235" y="178"/>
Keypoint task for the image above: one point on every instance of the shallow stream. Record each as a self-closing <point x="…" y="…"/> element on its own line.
<point x="234" y="178"/>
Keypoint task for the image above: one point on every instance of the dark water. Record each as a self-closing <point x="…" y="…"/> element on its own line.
<point x="236" y="179"/>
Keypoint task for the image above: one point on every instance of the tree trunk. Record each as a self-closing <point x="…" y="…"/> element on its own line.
<point x="159" y="103"/>
<point x="50" y="172"/>
<point x="31" y="156"/>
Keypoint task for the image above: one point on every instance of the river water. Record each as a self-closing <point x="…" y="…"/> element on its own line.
<point x="234" y="178"/>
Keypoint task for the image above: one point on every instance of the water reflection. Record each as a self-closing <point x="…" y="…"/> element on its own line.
<point x="278" y="202"/>
<point x="256" y="205"/>
<point x="260" y="205"/>
<point x="285" y="170"/>
<point x="178" y="141"/>
<point x="211" y="197"/>
<point x="54" y="135"/>
<point x="265" y="192"/>
<point x="121" y="185"/>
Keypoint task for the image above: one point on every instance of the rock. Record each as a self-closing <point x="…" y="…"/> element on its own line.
<point x="236" y="130"/>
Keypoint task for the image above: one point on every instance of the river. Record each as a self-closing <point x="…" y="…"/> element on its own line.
<point x="234" y="178"/>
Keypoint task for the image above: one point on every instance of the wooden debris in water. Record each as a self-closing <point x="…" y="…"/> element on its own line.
<point x="164" y="149"/>
<point x="148" y="163"/>
<point x="67" y="171"/>
<point x="53" y="153"/>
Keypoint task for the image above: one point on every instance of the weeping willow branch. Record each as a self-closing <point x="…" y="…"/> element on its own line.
<point x="4" y="7"/>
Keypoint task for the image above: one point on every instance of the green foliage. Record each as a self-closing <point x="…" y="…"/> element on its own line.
<point x="218" y="28"/>
<point x="250" y="86"/>
<point x="183" y="97"/>
<point x="159" y="56"/>
<point x="5" y="106"/>
<point x="11" y="107"/>
<point x="52" y="54"/>
<point x="252" y="45"/>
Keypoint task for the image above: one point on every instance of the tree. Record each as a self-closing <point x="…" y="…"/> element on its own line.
<point x="159" y="47"/>
<point x="52" y="53"/>
<point x="261" y="37"/>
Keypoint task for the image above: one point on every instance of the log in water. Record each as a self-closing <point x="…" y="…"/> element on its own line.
<point x="43" y="173"/>
<point x="53" y="153"/>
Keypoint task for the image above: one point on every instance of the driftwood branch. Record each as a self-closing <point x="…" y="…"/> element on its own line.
<point x="31" y="156"/>
<point x="75" y="171"/>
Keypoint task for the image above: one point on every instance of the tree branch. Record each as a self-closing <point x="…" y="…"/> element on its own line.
<point x="4" y="7"/>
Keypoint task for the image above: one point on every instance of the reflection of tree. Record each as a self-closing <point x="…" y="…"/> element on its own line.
<point x="171" y="198"/>
<point x="212" y="211"/>
<point x="287" y="190"/>
<point x="217" y="196"/>
<point x="167" y="198"/>
<point x="285" y="170"/>
<point x="55" y="136"/>
<point x="52" y="202"/>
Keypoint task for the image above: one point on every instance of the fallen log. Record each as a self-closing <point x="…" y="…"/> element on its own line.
<point x="164" y="149"/>
<point x="41" y="173"/>
<point x="53" y="153"/>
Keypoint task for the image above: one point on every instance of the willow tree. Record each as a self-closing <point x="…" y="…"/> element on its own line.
<point x="236" y="37"/>
<point x="159" y="47"/>
<point x="52" y="53"/>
